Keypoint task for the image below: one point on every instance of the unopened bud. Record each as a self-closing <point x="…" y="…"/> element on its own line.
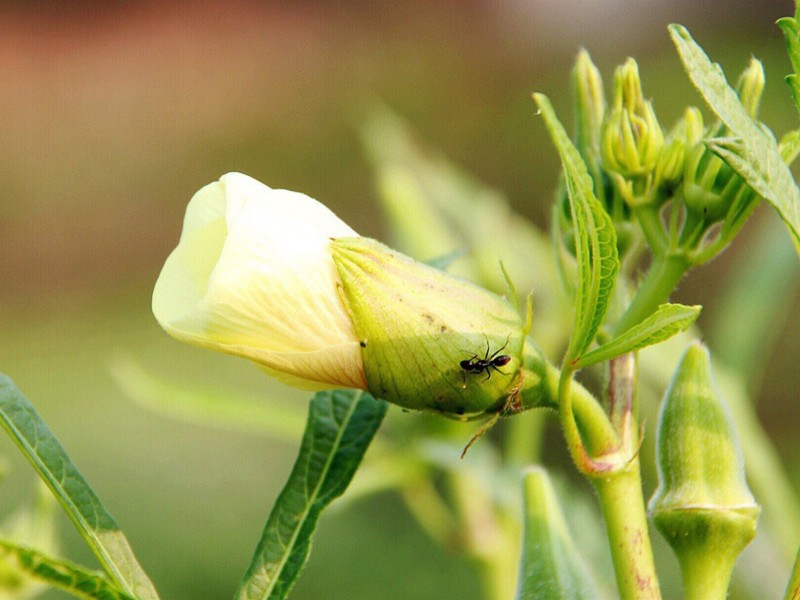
<point x="631" y="136"/>
<point x="750" y="86"/>
<point x="590" y="105"/>
<point x="703" y="506"/>
<point x="710" y="186"/>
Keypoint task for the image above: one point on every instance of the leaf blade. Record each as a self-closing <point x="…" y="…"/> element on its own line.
<point x="341" y="424"/>
<point x="666" y="321"/>
<point x="48" y="457"/>
<point x="61" y="574"/>
<point x="759" y="160"/>
<point x="595" y="238"/>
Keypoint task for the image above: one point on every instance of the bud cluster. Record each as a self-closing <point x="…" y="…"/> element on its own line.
<point x="637" y="167"/>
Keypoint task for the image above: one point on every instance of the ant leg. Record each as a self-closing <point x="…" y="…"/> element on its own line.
<point x="500" y="350"/>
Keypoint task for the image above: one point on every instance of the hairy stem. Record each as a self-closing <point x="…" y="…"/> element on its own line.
<point x="622" y="502"/>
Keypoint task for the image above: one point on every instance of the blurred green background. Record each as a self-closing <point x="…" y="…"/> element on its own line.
<point x="112" y="114"/>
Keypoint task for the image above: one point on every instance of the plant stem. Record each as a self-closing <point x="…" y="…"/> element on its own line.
<point x="622" y="502"/>
<point x="706" y="575"/>
<point x="591" y="418"/>
<point x="662" y="278"/>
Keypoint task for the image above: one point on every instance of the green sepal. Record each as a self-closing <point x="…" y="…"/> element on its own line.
<point x="416" y="325"/>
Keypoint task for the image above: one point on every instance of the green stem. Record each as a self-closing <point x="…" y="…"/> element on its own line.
<point x="652" y="227"/>
<point x="662" y="278"/>
<point x="595" y="428"/>
<point x="622" y="502"/>
<point x="706" y="576"/>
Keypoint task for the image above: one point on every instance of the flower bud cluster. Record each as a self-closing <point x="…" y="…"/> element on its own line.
<point x="624" y="145"/>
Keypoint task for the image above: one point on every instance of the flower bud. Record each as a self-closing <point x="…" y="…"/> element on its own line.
<point x="430" y="341"/>
<point x="710" y="186"/>
<point x="631" y="136"/>
<point x="275" y="277"/>
<point x="702" y="505"/>
<point x="687" y="132"/>
<point x="590" y="105"/>
<point x="750" y="86"/>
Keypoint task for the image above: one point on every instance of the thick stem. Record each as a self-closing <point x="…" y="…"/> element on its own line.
<point x="662" y="278"/>
<point x="705" y="576"/>
<point x="595" y="428"/>
<point x="622" y="502"/>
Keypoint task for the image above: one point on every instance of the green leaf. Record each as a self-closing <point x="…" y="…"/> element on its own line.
<point x="341" y="424"/>
<point x="595" y="238"/>
<point x="551" y="566"/>
<point x="61" y="574"/>
<point x="666" y="321"/>
<point x="83" y="507"/>
<point x="757" y="301"/>
<point x="209" y="408"/>
<point x="755" y="156"/>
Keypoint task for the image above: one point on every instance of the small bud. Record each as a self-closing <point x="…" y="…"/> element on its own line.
<point x="750" y="86"/>
<point x="430" y="341"/>
<point x="590" y="105"/>
<point x="685" y="134"/>
<point x="631" y="136"/>
<point x="702" y="506"/>
<point x="710" y="186"/>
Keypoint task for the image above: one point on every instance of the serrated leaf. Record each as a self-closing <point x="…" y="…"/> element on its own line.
<point x="666" y="321"/>
<point x="48" y="457"/>
<point x="595" y="238"/>
<point x="61" y="574"/>
<point x="550" y="566"/>
<point x="756" y="157"/>
<point x="341" y="424"/>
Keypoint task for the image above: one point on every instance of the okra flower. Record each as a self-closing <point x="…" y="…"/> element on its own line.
<point x="275" y="277"/>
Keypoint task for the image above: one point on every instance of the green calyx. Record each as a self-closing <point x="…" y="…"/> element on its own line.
<point x="703" y="506"/>
<point x="431" y="341"/>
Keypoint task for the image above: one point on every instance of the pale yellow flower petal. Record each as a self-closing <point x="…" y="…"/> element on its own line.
<point x="253" y="276"/>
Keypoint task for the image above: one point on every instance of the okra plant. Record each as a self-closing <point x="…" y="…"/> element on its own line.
<point x="478" y="362"/>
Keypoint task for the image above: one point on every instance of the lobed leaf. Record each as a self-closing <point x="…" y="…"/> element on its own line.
<point x="340" y="426"/>
<point x="595" y="238"/>
<point x="755" y="155"/>
<point x="48" y="457"/>
<point x="666" y="321"/>
<point x="61" y="574"/>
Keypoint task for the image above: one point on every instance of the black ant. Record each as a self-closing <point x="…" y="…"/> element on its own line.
<point x="487" y="363"/>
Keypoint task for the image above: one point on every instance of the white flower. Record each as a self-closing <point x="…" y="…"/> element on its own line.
<point x="253" y="276"/>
